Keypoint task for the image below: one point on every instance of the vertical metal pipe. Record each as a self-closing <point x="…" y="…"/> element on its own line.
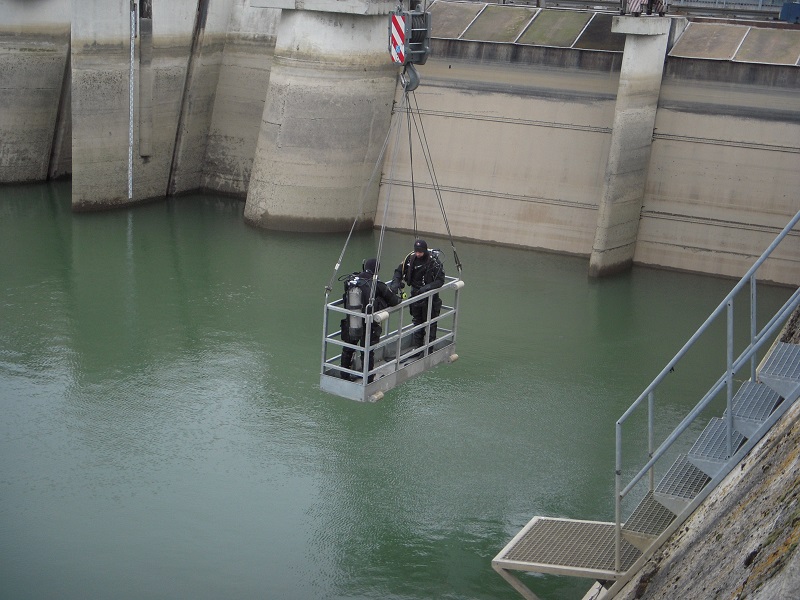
<point x="729" y="413"/>
<point x="62" y="119"/>
<point x="145" y="77"/>
<point x="197" y="34"/>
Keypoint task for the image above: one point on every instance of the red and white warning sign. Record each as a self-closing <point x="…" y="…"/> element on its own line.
<point x="397" y="39"/>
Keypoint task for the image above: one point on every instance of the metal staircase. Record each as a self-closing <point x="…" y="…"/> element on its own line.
<point x="613" y="552"/>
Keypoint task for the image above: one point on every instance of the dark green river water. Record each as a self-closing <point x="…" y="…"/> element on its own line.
<point x="163" y="434"/>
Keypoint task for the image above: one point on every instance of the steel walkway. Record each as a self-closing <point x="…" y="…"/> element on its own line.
<point x="612" y="552"/>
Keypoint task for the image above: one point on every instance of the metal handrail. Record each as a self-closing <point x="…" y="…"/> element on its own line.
<point x="764" y="335"/>
<point x="733" y="367"/>
<point x="395" y="336"/>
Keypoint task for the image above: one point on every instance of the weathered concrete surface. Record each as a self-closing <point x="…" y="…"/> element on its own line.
<point x="519" y="138"/>
<point x="61" y="151"/>
<point x="239" y="100"/>
<point x="100" y="59"/>
<point x="631" y="137"/>
<point x="742" y="542"/>
<point x="34" y="51"/>
<point x="723" y="177"/>
<point x="325" y="119"/>
<point x="100" y="88"/>
<point x="206" y="44"/>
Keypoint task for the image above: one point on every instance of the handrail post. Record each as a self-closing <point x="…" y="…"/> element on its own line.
<point x="729" y="363"/>
<point x="399" y="346"/>
<point x="650" y="435"/>
<point x="367" y="349"/>
<point x="618" y="503"/>
<point x="455" y="314"/>
<point x="753" y="332"/>
<point x="324" y="335"/>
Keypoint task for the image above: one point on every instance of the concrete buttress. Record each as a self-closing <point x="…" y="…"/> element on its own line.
<point x="34" y="59"/>
<point x="326" y="115"/>
<point x="101" y="91"/>
<point x="631" y="139"/>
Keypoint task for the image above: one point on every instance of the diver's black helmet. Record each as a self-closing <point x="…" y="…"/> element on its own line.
<point x="371" y="265"/>
<point x="420" y="246"/>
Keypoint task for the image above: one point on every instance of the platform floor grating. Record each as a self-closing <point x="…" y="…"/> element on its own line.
<point x="755" y="401"/>
<point x="569" y="544"/>
<point x="682" y="480"/>
<point x="713" y="444"/>
<point x="650" y="517"/>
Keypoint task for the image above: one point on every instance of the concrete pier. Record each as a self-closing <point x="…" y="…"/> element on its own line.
<point x="631" y="139"/>
<point x="100" y="95"/>
<point x="326" y="116"/>
<point x="239" y="99"/>
<point x="34" y="60"/>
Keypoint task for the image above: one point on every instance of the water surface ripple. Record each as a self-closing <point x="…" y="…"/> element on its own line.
<point x="163" y="434"/>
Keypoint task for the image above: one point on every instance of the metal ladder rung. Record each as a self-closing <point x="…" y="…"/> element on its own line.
<point x="680" y="484"/>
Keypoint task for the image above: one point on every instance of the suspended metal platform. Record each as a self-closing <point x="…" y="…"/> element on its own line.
<point x="396" y="360"/>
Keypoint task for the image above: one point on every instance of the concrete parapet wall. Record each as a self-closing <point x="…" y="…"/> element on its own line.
<point x="355" y="7"/>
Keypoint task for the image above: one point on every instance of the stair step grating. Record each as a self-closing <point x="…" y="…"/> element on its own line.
<point x="713" y="443"/>
<point x="752" y="405"/>
<point x="781" y="371"/>
<point x="682" y="480"/>
<point x="784" y="361"/>
<point x="649" y="518"/>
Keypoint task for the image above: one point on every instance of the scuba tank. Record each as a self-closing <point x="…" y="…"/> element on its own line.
<point x="353" y="302"/>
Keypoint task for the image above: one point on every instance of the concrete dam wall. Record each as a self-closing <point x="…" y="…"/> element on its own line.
<point x="630" y="141"/>
<point x="522" y="137"/>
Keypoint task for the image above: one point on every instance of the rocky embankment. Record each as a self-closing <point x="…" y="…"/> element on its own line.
<point x="743" y="541"/>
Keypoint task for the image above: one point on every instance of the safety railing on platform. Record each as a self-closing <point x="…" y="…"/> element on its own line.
<point x="746" y="359"/>
<point x="396" y="358"/>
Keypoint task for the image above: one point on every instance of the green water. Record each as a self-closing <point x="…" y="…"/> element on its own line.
<point x="163" y="434"/>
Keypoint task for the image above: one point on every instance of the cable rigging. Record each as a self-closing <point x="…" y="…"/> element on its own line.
<point x="392" y="360"/>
